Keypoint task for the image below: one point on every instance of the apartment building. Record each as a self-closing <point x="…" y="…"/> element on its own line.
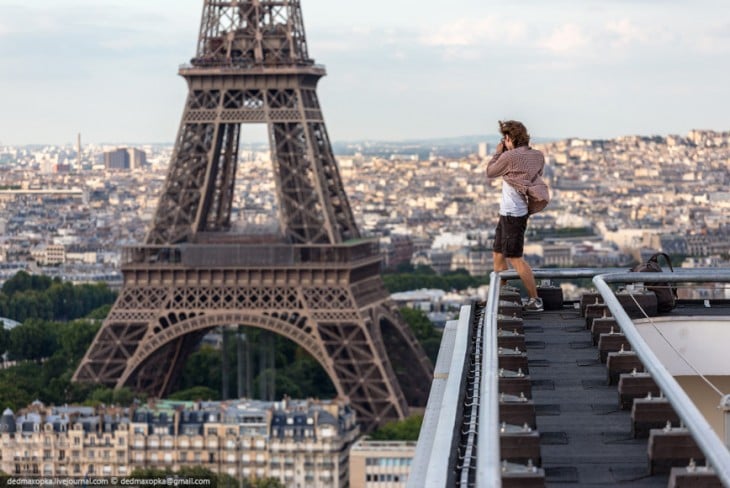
<point x="380" y="463"/>
<point x="64" y="441"/>
<point x="303" y="443"/>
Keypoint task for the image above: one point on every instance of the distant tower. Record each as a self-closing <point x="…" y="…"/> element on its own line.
<point x="316" y="283"/>
<point x="137" y="158"/>
<point x="483" y="150"/>
<point x="117" y="159"/>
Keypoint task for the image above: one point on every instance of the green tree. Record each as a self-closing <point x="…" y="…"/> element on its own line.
<point x="93" y="296"/>
<point x="57" y="387"/>
<point x="4" y="339"/>
<point x="111" y="396"/>
<point x="30" y="304"/>
<point x="76" y="392"/>
<point x="196" y="393"/>
<point x="32" y="340"/>
<point x="74" y="338"/>
<point x="423" y="329"/>
<point x="27" y="296"/>
<point x="27" y="377"/>
<point x="426" y="278"/>
<point x="63" y="300"/>
<point x="19" y="282"/>
<point x="12" y="396"/>
<point x="203" y="368"/>
<point x="55" y="375"/>
<point x="418" y="322"/>
<point x="400" y="430"/>
<point x="99" y="313"/>
<point x="404" y="267"/>
<point x="309" y="376"/>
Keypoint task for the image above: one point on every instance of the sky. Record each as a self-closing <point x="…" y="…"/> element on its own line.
<point x="396" y="69"/>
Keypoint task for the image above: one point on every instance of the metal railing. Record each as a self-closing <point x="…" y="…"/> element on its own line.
<point x="233" y="254"/>
<point x="709" y="442"/>
<point x="489" y="473"/>
<point x="436" y="455"/>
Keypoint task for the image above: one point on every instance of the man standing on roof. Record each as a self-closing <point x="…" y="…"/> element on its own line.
<point x="523" y="193"/>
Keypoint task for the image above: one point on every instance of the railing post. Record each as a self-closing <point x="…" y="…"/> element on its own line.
<point x="725" y="406"/>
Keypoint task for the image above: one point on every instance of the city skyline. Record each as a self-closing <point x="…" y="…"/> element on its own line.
<point x="571" y="69"/>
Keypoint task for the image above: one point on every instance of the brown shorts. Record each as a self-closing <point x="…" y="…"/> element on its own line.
<point x="509" y="237"/>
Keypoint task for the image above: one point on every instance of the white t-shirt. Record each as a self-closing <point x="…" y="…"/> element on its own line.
<point x="513" y="202"/>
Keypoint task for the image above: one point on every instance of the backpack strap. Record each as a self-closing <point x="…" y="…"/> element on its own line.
<point x="666" y="258"/>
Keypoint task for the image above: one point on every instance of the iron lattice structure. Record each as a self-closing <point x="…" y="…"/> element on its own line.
<point x="317" y="283"/>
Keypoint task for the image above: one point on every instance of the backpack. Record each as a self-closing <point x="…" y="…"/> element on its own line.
<point x="538" y="196"/>
<point x="666" y="295"/>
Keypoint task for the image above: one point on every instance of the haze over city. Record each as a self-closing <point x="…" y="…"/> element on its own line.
<point x="396" y="71"/>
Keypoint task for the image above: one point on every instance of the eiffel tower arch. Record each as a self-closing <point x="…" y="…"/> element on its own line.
<point x="315" y="282"/>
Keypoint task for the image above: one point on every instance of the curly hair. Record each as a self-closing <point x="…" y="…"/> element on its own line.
<point x="516" y="131"/>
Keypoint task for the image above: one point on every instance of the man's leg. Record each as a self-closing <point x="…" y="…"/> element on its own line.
<point x="523" y="269"/>
<point x="500" y="264"/>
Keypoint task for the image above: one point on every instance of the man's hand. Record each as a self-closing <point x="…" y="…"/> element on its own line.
<point x="501" y="147"/>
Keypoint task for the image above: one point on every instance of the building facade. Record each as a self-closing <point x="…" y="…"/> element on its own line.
<point x="376" y="464"/>
<point x="302" y="443"/>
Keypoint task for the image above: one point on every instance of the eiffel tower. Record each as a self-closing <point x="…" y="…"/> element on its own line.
<point x="316" y="281"/>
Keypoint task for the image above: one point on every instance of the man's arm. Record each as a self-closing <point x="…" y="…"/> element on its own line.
<point x="498" y="166"/>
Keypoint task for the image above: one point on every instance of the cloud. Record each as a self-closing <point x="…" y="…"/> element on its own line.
<point x="565" y="39"/>
<point x="472" y="32"/>
<point x="624" y="32"/>
<point x="713" y="39"/>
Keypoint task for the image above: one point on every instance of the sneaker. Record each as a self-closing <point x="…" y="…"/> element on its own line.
<point x="533" y="305"/>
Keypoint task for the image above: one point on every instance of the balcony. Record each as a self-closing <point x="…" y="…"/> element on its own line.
<point x="218" y="254"/>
